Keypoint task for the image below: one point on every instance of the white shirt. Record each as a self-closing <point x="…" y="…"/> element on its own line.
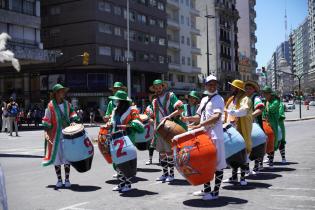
<point x="216" y="105"/>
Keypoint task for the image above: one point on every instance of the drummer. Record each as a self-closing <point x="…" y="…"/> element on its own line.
<point x="58" y="115"/>
<point x="110" y="107"/>
<point x="124" y="117"/>
<point x="271" y="114"/>
<point x="209" y="115"/>
<point x="165" y="106"/>
<point x="191" y="107"/>
<point x="252" y="91"/>
<point x="239" y="114"/>
<point x="281" y="124"/>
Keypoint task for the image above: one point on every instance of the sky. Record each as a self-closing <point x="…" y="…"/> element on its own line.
<point x="270" y="24"/>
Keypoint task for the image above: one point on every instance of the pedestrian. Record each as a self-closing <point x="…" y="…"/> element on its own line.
<point x="59" y="114"/>
<point x="92" y="116"/>
<point x="124" y="117"/>
<point x="165" y="106"/>
<point x="271" y="115"/>
<point x="239" y="114"/>
<point x="80" y="114"/>
<point x="13" y="110"/>
<point x="29" y="118"/>
<point x="5" y="118"/>
<point x="209" y="115"/>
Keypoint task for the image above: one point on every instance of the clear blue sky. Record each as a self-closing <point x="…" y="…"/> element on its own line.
<point x="270" y="24"/>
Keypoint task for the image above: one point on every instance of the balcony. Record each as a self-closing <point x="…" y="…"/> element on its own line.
<point x="173" y="4"/>
<point x="194" y="30"/>
<point x="195" y="50"/>
<point x="173" y="44"/>
<point x="174" y="66"/>
<point x="173" y="23"/>
<point x="253" y="37"/>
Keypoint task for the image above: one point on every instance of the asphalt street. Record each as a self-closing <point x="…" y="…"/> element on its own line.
<point x="31" y="186"/>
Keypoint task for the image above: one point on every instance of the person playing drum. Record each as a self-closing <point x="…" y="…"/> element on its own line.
<point x="191" y="107"/>
<point x="165" y="106"/>
<point x="58" y="115"/>
<point x="239" y="113"/>
<point x="271" y="114"/>
<point x="252" y="91"/>
<point x="282" y="142"/>
<point x="124" y="117"/>
<point x="209" y="115"/>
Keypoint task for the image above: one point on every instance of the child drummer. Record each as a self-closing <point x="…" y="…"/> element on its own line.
<point x="209" y="115"/>
<point x="124" y="117"/>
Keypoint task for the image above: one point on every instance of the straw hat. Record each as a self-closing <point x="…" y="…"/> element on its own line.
<point x="253" y="84"/>
<point x="238" y="84"/>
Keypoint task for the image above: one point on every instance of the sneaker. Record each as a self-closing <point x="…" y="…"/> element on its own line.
<point x="117" y="188"/>
<point x="169" y="179"/>
<point x="253" y="172"/>
<point x="149" y="162"/>
<point x="67" y="184"/>
<point x="115" y="176"/>
<point x="284" y="161"/>
<point x="59" y="184"/>
<point x="266" y="161"/>
<point x="161" y="178"/>
<point x="126" y="189"/>
<point x="243" y="183"/>
<point x="209" y="196"/>
<point x="199" y="193"/>
<point x="230" y="180"/>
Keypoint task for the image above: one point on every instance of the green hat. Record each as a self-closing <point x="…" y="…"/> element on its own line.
<point x="267" y="89"/>
<point x="194" y="94"/>
<point x="119" y="85"/>
<point x="120" y="95"/>
<point x="57" y="87"/>
<point x="158" y="82"/>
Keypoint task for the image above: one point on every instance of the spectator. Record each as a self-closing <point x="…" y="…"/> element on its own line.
<point x="5" y="118"/>
<point x="29" y="117"/>
<point x="92" y="116"/>
<point x="13" y="110"/>
<point x="80" y="114"/>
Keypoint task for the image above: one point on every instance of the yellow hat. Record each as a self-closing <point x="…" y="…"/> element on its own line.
<point x="238" y="84"/>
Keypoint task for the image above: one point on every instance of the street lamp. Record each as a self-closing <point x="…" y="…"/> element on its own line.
<point x="208" y="54"/>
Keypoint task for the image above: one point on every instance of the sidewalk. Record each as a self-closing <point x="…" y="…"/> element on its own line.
<point x="295" y="116"/>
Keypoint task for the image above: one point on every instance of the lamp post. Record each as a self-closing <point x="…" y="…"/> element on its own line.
<point x="208" y="54"/>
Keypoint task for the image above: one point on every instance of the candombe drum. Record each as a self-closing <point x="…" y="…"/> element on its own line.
<point x="234" y="143"/>
<point x="77" y="147"/>
<point x="168" y="129"/>
<point x="259" y="139"/>
<point x="123" y="153"/>
<point x="142" y="140"/>
<point x="103" y="144"/>
<point x="195" y="156"/>
<point x="270" y="141"/>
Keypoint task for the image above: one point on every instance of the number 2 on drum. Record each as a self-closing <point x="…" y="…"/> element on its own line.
<point x="119" y="150"/>
<point x="148" y="129"/>
<point x="88" y="143"/>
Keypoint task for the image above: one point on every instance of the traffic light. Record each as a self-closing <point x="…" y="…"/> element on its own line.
<point x="85" y="58"/>
<point x="263" y="69"/>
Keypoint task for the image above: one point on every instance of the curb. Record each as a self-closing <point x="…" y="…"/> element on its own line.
<point x="294" y="120"/>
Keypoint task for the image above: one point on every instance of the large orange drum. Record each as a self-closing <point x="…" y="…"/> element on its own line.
<point x="271" y="137"/>
<point x="195" y="156"/>
<point x="103" y="144"/>
<point x="168" y="129"/>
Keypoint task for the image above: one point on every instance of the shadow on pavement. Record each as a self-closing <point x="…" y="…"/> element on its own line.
<point x="77" y="188"/>
<point x="148" y="170"/>
<point x="284" y="164"/>
<point x="133" y="180"/>
<point x="20" y="156"/>
<point x="249" y="186"/>
<point x="277" y="169"/>
<point x="263" y="176"/>
<point x="137" y="193"/>
<point x="180" y="182"/>
<point x="220" y="202"/>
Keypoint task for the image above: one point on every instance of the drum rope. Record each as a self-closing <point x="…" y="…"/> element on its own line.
<point x="218" y="181"/>
<point x="171" y="165"/>
<point x="164" y="165"/>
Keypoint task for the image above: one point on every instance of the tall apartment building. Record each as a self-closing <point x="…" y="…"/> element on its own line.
<point x="21" y="20"/>
<point x="300" y="53"/>
<point x="223" y="39"/>
<point x="311" y="21"/>
<point x="182" y="51"/>
<point x="247" y="38"/>
<point x="99" y="28"/>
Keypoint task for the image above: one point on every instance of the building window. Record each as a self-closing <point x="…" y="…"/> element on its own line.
<point x="104" y="6"/>
<point x="29" y="7"/>
<point x="153" y="3"/>
<point x="188" y="21"/>
<point x="161" y="23"/>
<point x="3" y="4"/>
<point x="105" y="28"/>
<point x="161" y="6"/>
<point x="180" y="78"/>
<point x="117" y="31"/>
<point x="117" y="10"/>
<point x="182" y="20"/>
<point x="192" y="79"/>
<point x="170" y="77"/>
<point x="105" y="50"/>
<point x="152" y="22"/>
<point x="118" y="52"/>
<point x="187" y="3"/>
<point x="161" y="59"/>
<point x="142" y="19"/>
<point x="188" y="41"/>
<point x="161" y="41"/>
<point x="55" y="10"/>
<point x="131" y="55"/>
<point x="182" y="38"/>
<point x="152" y="39"/>
<point x="188" y="61"/>
<point x="183" y="60"/>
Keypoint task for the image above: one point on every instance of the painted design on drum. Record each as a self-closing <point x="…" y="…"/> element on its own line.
<point x="147" y="135"/>
<point x="78" y="149"/>
<point x="182" y="157"/>
<point x="122" y="150"/>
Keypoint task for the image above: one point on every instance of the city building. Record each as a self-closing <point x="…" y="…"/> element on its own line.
<point x="21" y="20"/>
<point x="247" y="38"/>
<point x="182" y="51"/>
<point x="311" y="21"/>
<point x="223" y="40"/>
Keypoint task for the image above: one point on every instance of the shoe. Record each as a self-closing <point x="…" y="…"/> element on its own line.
<point x="209" y="196"/>
<point x="126" y="189"/>
<point x="59" y="184"/>
<point x="230" y="180"/>
<point x="243" y="183"/>
<point x="149" y="162"/>
<point x="117" y="188"/>
<point x="199" y="193"/>
<point x="266" y="161"/>
<point x="169" y="179"/>
<point x="253" y="173"/>
<point x="115" y="176"/>
<point x="161" y="178"/>
<point x="67" y="184"/>
<point x="284" y="161"/>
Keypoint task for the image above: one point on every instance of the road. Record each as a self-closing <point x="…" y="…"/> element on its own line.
<point x="295" y="114"/>
<point x="31" y="187"/>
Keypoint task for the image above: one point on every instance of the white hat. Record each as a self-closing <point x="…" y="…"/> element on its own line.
<point x="210" y="78"/>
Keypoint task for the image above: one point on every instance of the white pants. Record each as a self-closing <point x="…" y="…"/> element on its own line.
<point x="5" y="123"/>
<point x="12" y="121"/>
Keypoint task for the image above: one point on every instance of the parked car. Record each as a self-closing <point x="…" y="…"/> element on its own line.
<point x="312" y="103"/>
<point x="289" y="107"/>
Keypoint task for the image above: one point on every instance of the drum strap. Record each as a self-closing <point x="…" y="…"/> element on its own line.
<point x="210" y="98"/>
<point x="163" y="110"/>
<point x="65" y="121"/>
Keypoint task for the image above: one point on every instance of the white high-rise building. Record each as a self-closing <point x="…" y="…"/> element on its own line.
<point x="311" y="20"/>
<point x="182" y="49"/>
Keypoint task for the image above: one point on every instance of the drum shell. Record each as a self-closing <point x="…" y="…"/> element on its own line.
<point x="128" y="168"/>
<point x="258" y="152"/>
<point x="270" y="140"/>
<point x="168" y="129"/>
<point x="195" y="157"/>
<point x="259" y="139"/>
<point x="142" y="140"/>
<point x="79" y="151"/>
<point x="103" y="146"/>
<point x="237" y="159"/>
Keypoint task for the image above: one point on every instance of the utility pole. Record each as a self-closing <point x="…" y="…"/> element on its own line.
<point x="208" y="54"/>
<point x="128" y="53"/>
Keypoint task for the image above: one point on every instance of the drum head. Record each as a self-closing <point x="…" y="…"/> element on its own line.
<point x="73" y="129"/>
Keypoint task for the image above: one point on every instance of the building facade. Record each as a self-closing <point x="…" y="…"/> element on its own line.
<point x="246" y="36"/>
<point x="311" y="22"/>
<point x="223" y="40"/>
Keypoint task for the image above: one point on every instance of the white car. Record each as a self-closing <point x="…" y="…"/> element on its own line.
<point x="312" y="103"/>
